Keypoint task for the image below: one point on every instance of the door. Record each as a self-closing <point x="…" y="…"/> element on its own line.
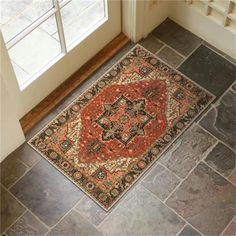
<point x="48" y="40"/>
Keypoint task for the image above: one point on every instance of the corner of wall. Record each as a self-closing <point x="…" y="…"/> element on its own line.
<point x="202" y="26"/>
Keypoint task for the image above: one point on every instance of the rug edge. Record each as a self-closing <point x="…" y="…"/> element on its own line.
<point x="134" y="184"/>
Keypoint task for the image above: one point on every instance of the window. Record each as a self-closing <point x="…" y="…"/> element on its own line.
<point x="38" y="33"/>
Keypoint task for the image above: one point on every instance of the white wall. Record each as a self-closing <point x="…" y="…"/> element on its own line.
<point x="11" y="133"/>
<point x="203" y="26"/>
<point x="141" y="17"/>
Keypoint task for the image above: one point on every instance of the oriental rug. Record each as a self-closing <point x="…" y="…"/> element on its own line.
<point x="112" y="133"/>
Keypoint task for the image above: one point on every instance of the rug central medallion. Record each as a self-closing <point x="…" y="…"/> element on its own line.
<point x="123" y="120"/>
<point x="114" y="131"/>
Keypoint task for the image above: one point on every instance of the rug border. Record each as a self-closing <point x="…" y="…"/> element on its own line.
<point x="159" y="155"/>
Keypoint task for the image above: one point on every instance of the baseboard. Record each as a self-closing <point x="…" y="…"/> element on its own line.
<point x="64" y="90"/>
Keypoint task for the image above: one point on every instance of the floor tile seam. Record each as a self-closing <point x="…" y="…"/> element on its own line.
<point x="168" y="46"/>
<point x="182" y="229"/>
<point x="27" y="170"/>
<point x="216" y="171"/>
<point x="140" y="184"/>
<point x="234" y="151"/>
<point x="159" y="163"/>
<point x="205" y="114"/>
<point x="73" y="208"/>
<point x="174" y="50"/>
<point x="27" y="209"/>
<point x="224" y="230"/>
<point x="173" y="211"/>
<point x="156" y="54"/>
<point x="216" y="103"/>
<point x="187" y="176"/>
<point x="52" y="227"/>
<point x="94" y="225"/>
<point x="196" y="164"/>
<point x="223" y="56"/>
<point x="163" y="46"/>
<point x="18" y="159"/>
<point x="190" y="54"/>
<point x="66" y="214"/>
<point x="219" y="99"/>
<point x="182" y="180"/>
<point x="5" y="231"/>
<point x="132" y="188"/>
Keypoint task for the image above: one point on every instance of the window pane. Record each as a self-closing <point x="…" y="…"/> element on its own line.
<point x="33" y="52"/>
<point x="16" y="15"/>
<point x="79" y="17"/>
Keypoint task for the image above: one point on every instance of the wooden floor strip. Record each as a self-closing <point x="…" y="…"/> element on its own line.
<point x="56" y="97"/>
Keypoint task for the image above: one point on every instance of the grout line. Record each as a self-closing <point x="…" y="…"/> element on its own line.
<point x="28" y="170"/>
<point x="190" y="54"/>
<point x="182" y="229"/>
<point x="27" y="209"/>
<point x="218" y="100"/>
<point x="94" y="225"/>
<point x="167" y="45"/>
<point x="222" y="55"/>
<point x="216" y="138"/>
<point x="189" y="173"/>
<point x="67" y="213"/>
<point x="222" y="233"/>
<point x="160" y="49"/>
<point x="176" y="213"/>
<point x="159" y="163"/>
<point x="197" y="162"/>
<point x="218" y="172"/>
<point x="14" y="222"/>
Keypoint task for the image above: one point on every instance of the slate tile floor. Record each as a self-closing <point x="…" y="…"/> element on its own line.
<point x="190" y="191"/>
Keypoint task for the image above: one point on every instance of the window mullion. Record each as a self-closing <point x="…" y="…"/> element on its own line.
<point x="29" y="29"/>
<point x="60" y="26"/>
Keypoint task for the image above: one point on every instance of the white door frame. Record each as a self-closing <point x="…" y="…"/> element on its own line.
<point x="139" y="18"/>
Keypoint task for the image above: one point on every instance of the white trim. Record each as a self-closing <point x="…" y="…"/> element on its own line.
<point x="129" y="19"/>
<point x="60" y="29"/>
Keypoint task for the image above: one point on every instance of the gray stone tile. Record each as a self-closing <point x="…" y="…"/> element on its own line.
<point x="151" y="43"/>
<point x="46" y="192"/>
<point x="206" y="200"/>
<point x="207" y="68"/>
<point x="220" y="120"/>
<point x="170" y="56"/>
<point x="234" y="86"/>
<point x="230" y="230"/>
<point x="27" y="225"/>
<point x="11" y="170"/>
<point x="140" y="213"/>
<point x="160" y="181"/>
<point x="177" y="37"/>
<point x="189" y="231"/>
<point x="187" y="151"/>
<point x="10" y="209"/>
<point x="27" y="155"/>
<point x="74" y="224"/>
<point x="220" y="52"/>
<point x="91" y="211"/>
<point x="222" y="159"/>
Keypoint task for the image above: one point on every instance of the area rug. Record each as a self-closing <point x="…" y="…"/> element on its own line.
<point x="112" y="133"/>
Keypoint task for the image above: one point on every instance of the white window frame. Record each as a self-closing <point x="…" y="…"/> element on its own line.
<point x="54" y="11"/>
